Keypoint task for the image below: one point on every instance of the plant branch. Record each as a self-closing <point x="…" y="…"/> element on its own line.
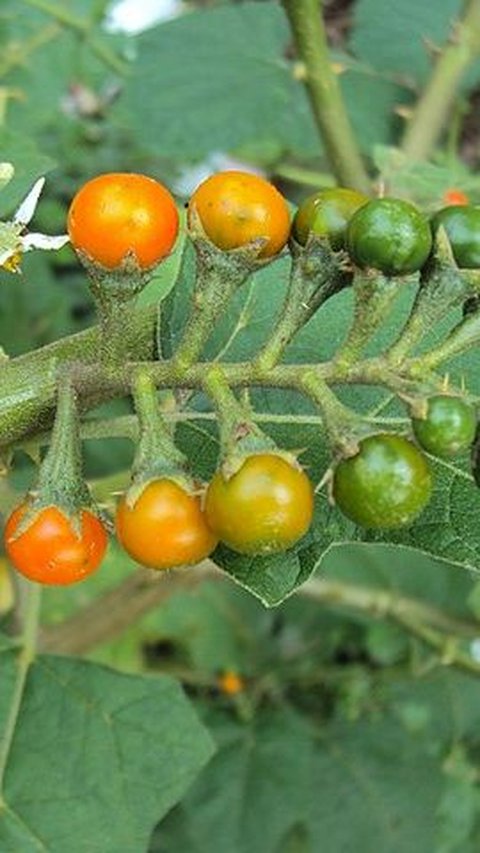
<point x="431" y="113"/>
<point x="464" y="336"/>
<point x="384" y="604"/>
<point x="325" y="95"/>
<point x="28" y="383"/>
<point x="112" y="613"/>
<point x="26" y="655"/>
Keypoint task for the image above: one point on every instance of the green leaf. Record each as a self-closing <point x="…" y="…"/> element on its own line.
<point x="29" y="164"/>
<point x="393" y="37"/>
<point x="236" y="85"/>
<point x="255" y="792"/>
<point x="91" y="743"/>
<point x="426" y="183"/>
<point x="238" y="88"/>
<point x="280" y="779"/>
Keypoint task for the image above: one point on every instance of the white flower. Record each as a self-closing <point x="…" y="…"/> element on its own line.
<point x="14" y="237"/>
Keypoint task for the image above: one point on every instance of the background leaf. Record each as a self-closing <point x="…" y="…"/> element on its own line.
<point x="282" y="775"/>
<point x="397" y="38"/>
<point x="114" y="745"/>
<point x="239" y="64"/>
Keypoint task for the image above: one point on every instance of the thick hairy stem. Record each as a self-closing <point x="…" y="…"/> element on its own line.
<point x="374" y="294"/>
<point x="28" y="384"/>
<point x="27" y="398"/>
<point x="324" y="92"/>
<point x="316" y="274"/>
<point x="433" y="108"/>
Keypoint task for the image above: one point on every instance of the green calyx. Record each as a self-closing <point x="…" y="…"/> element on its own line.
<point x="240" y="436"/>
<point x="344" y="428"/>
<point x="122" y="283"/>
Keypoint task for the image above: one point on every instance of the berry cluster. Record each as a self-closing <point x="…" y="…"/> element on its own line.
<point x="260" y="500"/>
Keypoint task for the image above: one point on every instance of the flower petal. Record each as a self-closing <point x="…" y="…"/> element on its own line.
<point x="27" y="207"/>
<point x="43" y="241"/>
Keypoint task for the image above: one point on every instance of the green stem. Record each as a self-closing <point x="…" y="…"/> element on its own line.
<point x="442" y="287"/>
<point x="373" y="295"/>
<point x="239" y="434"/>
<point x="114" y="317"/>
<point x="324" y="92"/>
<point x="433" y="108"/>
<point x="342" y="425"/>
<point x="28" y="384"/>
<point x="95" y="384"/>
<point x="316" y="275"/>
<point x="64" y="453"/>
<point x="462" y="338"/>
<point x="60" y="478"/>
<point x="446" y="647"/>
<point x="423" y="621"/>
<point x="25" y="659"/>
<point x="156" y="454"/>
<point x="218" y="276"/>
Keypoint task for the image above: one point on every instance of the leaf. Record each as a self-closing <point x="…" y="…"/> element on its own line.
<point x="91" y="743"/>
<point x="426" y="183"/>
<point x="29" y="164"/>
<point x="235" y="86"/>
<point x="238" y="87"/>
<point x="393" y="37"/>
<point x="255" y="792"/>
<point x="281" y="778"/>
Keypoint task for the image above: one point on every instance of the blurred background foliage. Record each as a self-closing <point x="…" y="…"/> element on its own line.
<point x="336" y="728"/>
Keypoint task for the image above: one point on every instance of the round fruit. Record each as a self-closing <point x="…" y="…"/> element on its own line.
<point x="389" y="235"/>
<point x="326" y="214"/>
<point x="462" y="224"/>
<point x="448" y="428"/>
<point x="265" y="507"/>
<point x="385" y="485"/>
<point x="165" y="527"/>
<point x="235" y="208"/>
<point x="454" y="196"/>
<point x="49" y="550"/>
<point x="118" y="215"/>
